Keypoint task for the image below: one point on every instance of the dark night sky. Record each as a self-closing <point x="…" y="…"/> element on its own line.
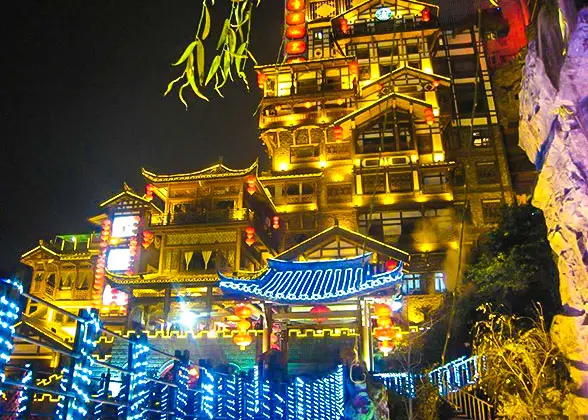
<point x="82" y="108"/>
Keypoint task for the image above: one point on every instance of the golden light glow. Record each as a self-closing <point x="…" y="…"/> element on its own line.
<point x="425" y="247"/>
<point x="340" y="101"/>
<point x="338" y="177"/>
<point x="438" y="157"/>
<point x="323" y="164"/>
<point x="283" y="166"/>
<point x="436" y="112"/>
<point x="308" y="104"/>
<point x="414" y="158"/>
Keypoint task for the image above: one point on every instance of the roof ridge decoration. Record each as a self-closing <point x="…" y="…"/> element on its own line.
<point x="313" y="281"/>
<point x="360" y="6"/>
<point x="218" y="170"/>
<point x="444" y="81"/>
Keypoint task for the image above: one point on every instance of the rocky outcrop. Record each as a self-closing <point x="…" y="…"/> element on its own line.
<point x="553" y="131"/>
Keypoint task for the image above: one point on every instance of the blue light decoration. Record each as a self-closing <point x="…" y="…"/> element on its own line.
<point x="208" y="393"/>
<point x="182" y="393"/>
<point x="401" y="383"/>
<point x="319" y="399"/>
<point x="313" y="281"/>
<point x="80" y="373"/>
<point x="10" y="291"/>
<point x="455" y="375"/>
<point x="138" y="389"/>
<point x="23" y="394"/>
<point x="164" y="402"/>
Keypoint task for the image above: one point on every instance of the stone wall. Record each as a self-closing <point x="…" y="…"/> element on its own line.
<point x="553" y="131"/>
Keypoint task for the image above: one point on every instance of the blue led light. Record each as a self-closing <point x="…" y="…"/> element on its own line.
<point x="313" y="281"/>
<point x="401" y="383"/>
<point x="9" y="312"/>
<point x="23" y="395"/>
<point x="455" y="375"/>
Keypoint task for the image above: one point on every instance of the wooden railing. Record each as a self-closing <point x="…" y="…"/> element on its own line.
<point x="469" y="405"/>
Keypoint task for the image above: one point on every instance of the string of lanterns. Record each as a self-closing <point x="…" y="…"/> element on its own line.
<point x="383" y="332"/>
<point x="249" y="235"/>
<point x="295" y="31"/>
<point x="243" y="338"/>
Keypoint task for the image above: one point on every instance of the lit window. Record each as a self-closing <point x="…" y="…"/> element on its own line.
<point x="118" y="259"/>
<point x="411" y="283"/>
<point x="440" y="282"/>
<point x="318" y="35"/>
<point x="480" y="139"/>
<point x="124" y="226"/>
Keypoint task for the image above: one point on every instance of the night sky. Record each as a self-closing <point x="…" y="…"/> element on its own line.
<point x="82" y="108"/>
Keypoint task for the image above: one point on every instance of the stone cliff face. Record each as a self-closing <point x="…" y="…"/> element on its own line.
<point x="553" y="131"/>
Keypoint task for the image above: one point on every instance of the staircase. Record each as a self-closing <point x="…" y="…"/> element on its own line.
<point x="468" y="406"/>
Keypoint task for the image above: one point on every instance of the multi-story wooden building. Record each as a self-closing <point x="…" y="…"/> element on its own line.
<point x="383" y="137"/>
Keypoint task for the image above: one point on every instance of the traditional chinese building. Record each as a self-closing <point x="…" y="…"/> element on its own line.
<point x="383" y="138"/>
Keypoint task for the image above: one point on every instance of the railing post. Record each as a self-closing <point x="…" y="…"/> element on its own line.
<point x="10" y="291"/>
<point x="25" y="398"/>
<point x="102" y="393"/>
<point x="76" y="379"/>
<point x="137" y="384"/>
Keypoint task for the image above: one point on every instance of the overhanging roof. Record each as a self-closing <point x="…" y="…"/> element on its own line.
<point x="212" y="172"/>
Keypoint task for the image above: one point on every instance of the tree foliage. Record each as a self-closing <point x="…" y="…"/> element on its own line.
<point x="525" y="374"/>
<point x="232" y="51"/>
<point x="514" y="265"/>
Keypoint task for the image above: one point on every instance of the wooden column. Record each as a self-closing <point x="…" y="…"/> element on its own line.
<point x="267" y="328"/>
<point x="209" y="308"/>
<point x="365" y="334"/>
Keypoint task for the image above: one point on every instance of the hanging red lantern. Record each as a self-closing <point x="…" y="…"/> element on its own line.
<point x="249" y="241"/>
<point x="251" y="186"/>
<point x="295" y="5"/>
<point x="243" y="311"/>
<point x="261" y="79"/>
<point x="381" y="309"/>
<point x="436" y="83"/>
<point x="243" y="325"/>
<point x="295" y="18"/>
<point x="354" y="68"/>
<point x="250" y="230"/>
<point x="391" y="265"/>
<point x="429" y="117"/>
<point x="295" y="32"/>
<point x="384" y="321"/>
<point x="296" y="47"/>
<point x="147" y="239"/>
<point x="276" y="222"/>
<point x="149" y="188"/>
<point x="296" y="60"/>
<point x="320" y="309"/>
<point x="426" y="14"/>
<point x="338" y="133"/>
<point x="385" y="347"/>
<point x="344" y="25"/>
<point x="243" y="340"/>
<point x="383" y="334"/>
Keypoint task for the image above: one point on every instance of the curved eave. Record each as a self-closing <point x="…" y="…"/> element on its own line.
<point x="199" y="175"/>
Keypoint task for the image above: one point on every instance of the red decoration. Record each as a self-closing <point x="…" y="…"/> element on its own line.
<point x="435" y="83"/>
<point x="295" y="5"/>
<point x="320" y="309"/>
<point x="338" y="133"/>
<point x="382" y="310"/>
<point x="385" y="347"/>
<point x="354" y="68"/>
<point x="251" y="186"/>
<point x="243" y="325"/>
<point x="384" y="321"/>
<point x="429" y="117"/>
<point x="295" y="18"/>
<point x="391" y="265"/>
<point x="296" y="60"/>
<point x="296" y="47"/>
<point x="249" y="230"/>
<point x="149" y="188"/>
<point x="242" y="340"/>
<point x="147" y="239"/>
<point x="384" y="334"/>
<point x="276" y="222"/>
<point x="295" y="32"/>
<point x="249" y="241"/>
<point x="243" y="311"/>
<point x="344" y="24"/>
<point x="261" y="79"/>
<point x="426" y="14"/>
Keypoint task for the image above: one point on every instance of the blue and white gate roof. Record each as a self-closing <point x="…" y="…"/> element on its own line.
<point x="313" y="281"/>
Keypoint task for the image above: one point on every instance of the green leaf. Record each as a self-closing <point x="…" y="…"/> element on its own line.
<point x="187" y="52"/>
<point x="181" y="95"/>
<point x="227" y="64"/>
<point x="232" y="40"/>
<point x="239" y="56"/>
<point x="223" y="35"/>
<point x="206" y="30"/>
<point x="200" y="61"/>
<point x="213" y="68"/>
<point x="192" y="83"/>
<point x="171" y="84"/>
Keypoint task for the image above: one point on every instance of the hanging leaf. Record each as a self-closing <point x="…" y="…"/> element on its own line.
<point x="171" y="84"/>
<point x="240" y="56"/>
<point x="213" y="68"/>
<point x="187" y="52"/>
<point x="200" y="61"/>
<point x="181" y="95"/>
<point x="223" y="35"/>
<point x="227" y="64"/>
<point x="232" y="40"/>
<point x="192" y="81"/>
<point x="206" y="30"/>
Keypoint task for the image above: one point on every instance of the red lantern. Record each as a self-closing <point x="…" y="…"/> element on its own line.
<point x="242" y="340"/>
<point x="354" y="68"/>
<point x="382" y="310"/>
<point x="261" y="79"/>
<point x="295" y="5"/>
<point x="295" y="18"/>
<point x="250" y="230"/>
<point x="251" y="186"/>
<point x="320" y="309"/>
<point x="147" y="239"/>
<point x="243" y="311"/>
<point x="429" y="117"/>
<point x="385" y="347"/>
<point x="295" y="32"/>
<point x="243" y="325"/>
<point x="384" y="321"/>
<point x="391" y="265"/>
<point x="296" y="47"/>
<point x="384" y="334"/>
<point x="435" y="83"/>
<point x="296" y="60"/>
<point x="344" y="24"/>
<point x="249" y="241"/>
<point x="426" y="14"/>
<point x="276" y="222"/>
<point x="338" y="133"/>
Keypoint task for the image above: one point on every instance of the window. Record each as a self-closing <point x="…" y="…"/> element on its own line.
<point x="301" y="193"/>
<point x="388" y="226"/>
<point x="84" y="280"/>
<point x="440" y="282"/>
<point x="318" y="35"/>
<point x="415" y="64"/>
<point x="374" y="183"/>
<point x="392" y="132"/>
<point x="67" y="280"/>
<point x="480" y="138"/>
<point x="465" y="99"/>
<point x="387" y="51"/>
<point x="491" y="210"/>
<point x="463" y="66"/>
<point x="458" y="176"/>
<point x="434" y="182"/>
<point x="400" y="181"/>
<point x="339" y="193"/>
<point x="411" y="283"/>
<point x="487" y="173"/>
<point x="458" y="209"/>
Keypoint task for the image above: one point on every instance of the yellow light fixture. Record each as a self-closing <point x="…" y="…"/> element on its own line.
<point x="436" y="112"/>
<point x="283" y="166"/>
<point x="438" y="157"/>
<point x="307" y="105"/>
<point x="323" y="164"/>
